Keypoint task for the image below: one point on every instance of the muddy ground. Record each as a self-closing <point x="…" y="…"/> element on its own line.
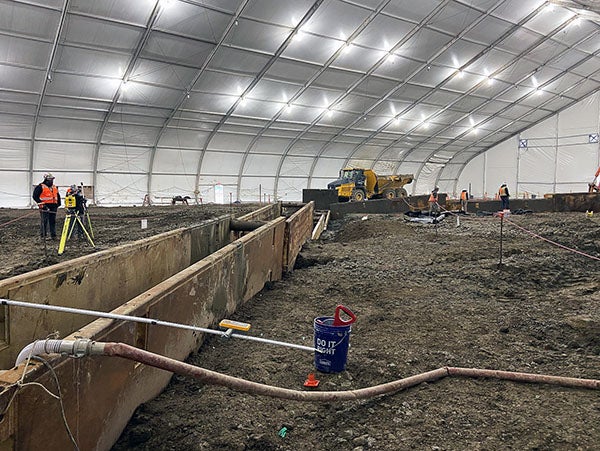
<point x="425" y="297"/>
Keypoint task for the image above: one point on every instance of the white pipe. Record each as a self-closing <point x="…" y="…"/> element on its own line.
<point x="39" y="347"/>
<point x="155" y="322"/>
<point x="74" y="348"/>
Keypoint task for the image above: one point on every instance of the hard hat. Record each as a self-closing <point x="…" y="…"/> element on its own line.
<point x="48" y="176"/>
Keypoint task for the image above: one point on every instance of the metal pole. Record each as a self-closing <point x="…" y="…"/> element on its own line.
<point x="155" y="322"/>
<point x="501" y="229"/>
<point x="518" y="164"/>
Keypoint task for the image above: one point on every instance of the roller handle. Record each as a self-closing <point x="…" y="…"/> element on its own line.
<point x="337" y="321"/>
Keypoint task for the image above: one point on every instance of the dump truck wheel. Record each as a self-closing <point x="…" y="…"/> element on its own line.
<point x="401" y="192"/>
<point x="358" y="195"/>
<point x="389" y="194"/>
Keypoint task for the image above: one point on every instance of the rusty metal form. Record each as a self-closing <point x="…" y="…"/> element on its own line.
<point x="298" y="230"/>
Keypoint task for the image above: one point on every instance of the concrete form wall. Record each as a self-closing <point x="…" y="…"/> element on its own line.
<point x="298" y="229"/>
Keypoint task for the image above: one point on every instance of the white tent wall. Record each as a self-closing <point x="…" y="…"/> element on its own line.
<point x="13" y="176"/>
<point x="558" y="156"/>
<point x="11" y="183"/>
<point x="253" y="189"/>
<point x="126" y="188"/>
<point x="473" y="177"/>
<point x="325" y="170"/>
<point x="499" y="166"/>
<point x="427" y="179"/>
<point x="165" y="186"/>
<point x="290" y="188"/>
<point x="295" y="167"/>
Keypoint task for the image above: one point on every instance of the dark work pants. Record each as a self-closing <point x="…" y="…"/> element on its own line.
<point x="504" y="200"/>
<point x="48" y="221"/>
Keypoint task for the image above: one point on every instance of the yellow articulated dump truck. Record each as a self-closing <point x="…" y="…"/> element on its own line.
<point x="358" y="184"/>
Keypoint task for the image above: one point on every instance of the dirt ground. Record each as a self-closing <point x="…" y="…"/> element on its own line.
<point x="425" y="297"/>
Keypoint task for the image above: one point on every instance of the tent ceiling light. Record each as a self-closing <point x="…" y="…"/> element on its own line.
<point x="298" y="36"/>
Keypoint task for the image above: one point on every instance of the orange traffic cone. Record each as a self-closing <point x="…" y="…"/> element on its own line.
<point x="311" y="381"/>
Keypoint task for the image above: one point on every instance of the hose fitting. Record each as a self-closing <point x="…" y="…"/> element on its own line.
<point x="78" y="348"/>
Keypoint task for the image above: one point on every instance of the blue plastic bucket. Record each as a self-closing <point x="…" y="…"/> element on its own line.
<point x="331" y="344"/>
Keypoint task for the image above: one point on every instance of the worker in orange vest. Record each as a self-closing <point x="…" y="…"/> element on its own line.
<point x="47" y="197"/>
<point x="433" y="201"/>
<point x="504" y="195"/>
<point x="464" y="198"/>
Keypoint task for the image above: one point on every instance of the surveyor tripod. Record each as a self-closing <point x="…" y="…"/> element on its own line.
<point x="72" y="220"/>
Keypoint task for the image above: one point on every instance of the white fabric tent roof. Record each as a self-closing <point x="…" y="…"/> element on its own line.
<point x="236" y="99"/>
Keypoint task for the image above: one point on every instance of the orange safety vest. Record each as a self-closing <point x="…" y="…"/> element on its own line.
<point x="502" y="191"/>
<point x="598" y="171"/>
<point x="463" y="195"/>
<point x="49" y="194"/>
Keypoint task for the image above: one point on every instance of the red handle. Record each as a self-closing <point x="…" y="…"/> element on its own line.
<point x="337" y="321"/>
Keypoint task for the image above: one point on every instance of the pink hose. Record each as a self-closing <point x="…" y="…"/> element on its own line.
<point x="211" y="377"/>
